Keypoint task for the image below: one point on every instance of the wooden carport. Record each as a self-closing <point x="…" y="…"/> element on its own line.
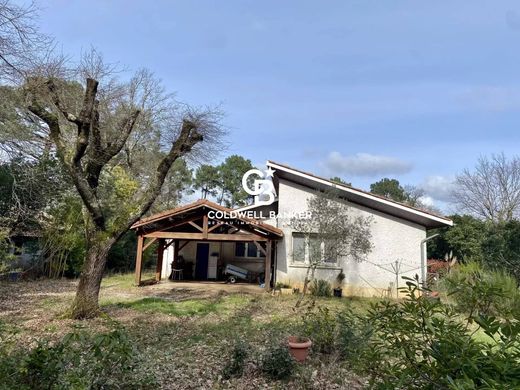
<point x="202" y="221"/>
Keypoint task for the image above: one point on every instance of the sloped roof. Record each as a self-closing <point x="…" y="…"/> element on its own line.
<point x="204" y="203"/>
<point x="363" y="198"/>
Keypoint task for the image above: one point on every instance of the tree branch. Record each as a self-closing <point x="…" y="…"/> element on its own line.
<point x="187" y="139"/>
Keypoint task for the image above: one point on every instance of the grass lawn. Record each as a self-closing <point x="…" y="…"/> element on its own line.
<point x="184" y="333"/>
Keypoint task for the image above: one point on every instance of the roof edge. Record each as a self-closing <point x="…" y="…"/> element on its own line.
<point x="368" y="195"/>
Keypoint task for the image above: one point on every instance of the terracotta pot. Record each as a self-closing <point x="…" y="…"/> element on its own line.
<point x="299" y="347"/>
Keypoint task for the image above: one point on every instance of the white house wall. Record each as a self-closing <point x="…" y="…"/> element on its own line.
<point x="393" y="240"/>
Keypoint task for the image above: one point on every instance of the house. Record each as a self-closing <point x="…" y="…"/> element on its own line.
<point x="259" y="238"/>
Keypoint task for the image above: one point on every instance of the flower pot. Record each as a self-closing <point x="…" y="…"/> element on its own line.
<point x="299" y="347"/>
<point x="338" y="292"/>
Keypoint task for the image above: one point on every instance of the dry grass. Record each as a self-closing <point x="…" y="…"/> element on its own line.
<point x="185" y="329"/>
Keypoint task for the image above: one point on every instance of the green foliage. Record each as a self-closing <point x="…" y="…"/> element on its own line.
<point x="79" y="360"/>
<point x="280" y="285"/>
<point x="476" y="290"/>
<point x="63" y="238"/>
<point x="352" y="335"/>
<point x="207" y="180"/>
<point x="320" y="288"/>
<point x="464" y="238"/>
<point x="339" y="180"/>
<point x="231" y="171"/>
<point x="420" y="343"/>
<point x="235" y="365"/>
<point x="277" y="362"/>
<point x="6" y="258"/>
<point x="501" y="247"/>
<point x="389" y="188"/>
<point x="320" y="326"/>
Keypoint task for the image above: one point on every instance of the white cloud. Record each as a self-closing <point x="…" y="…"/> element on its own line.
<point x="438" y="187"/>
<point x="364" y="164"/>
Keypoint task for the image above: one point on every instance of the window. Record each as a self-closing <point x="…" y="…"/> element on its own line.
<point x="247" y="249"/>
<point x="240" y="249"/>
<point x="298" y="248"/>
<point x="305" y="248"/>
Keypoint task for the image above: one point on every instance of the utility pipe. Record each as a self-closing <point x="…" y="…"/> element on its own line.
<point x="423" y="258"/>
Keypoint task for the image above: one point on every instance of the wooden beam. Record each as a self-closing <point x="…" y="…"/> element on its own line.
<point x="210" y="237"/>
<point x="150" y="242"/>
<point x="217" y="225"/>
<point x="168" y="245"/>
<point x="184" y="244"/>
<point x="205" y="226"/>
<point x="139" y="260"/>
<point x="179" y="223"/>
<point x="195" y="226"/>
<point x="268" y="267"/>
<point x="260" y="248"/>
<point x="160" y="255"/>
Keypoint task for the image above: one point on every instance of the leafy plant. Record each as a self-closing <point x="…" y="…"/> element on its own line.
<point x="79" y="360"/>
<point x="476" y="290"/>
<point x="280" y="285"/>
<point x="352" y="335"/>
<point x="420" y="343"/>
<point x="320" y="288"/>
<point x="320" y="326"/>
<point x="235" y="364"/>
<point x="277" y="362"/>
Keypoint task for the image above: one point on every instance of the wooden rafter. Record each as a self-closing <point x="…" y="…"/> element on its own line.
<point x="150" y="242"/>
<point x="210" y="237"/>
<point x="195" y="226"/>
<point x="260" y="248"/>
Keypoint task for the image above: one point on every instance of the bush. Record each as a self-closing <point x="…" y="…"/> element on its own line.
<point x="420" y="343"/>
<point x="277" y="362"/>
<point x="79" y="360"/>
<point x="320" y="288"/>
<point x="476" y="290"/>
<point x="236" y="362"/>
<point x="320" y="326"/>
<point x="352" y="336"/>
<point x="280" y="285"/>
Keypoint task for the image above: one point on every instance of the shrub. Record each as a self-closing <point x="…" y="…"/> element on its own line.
<point x="420" y="343"/>
<point x="277" y="362"/>
<point x="352" y="335"/>
<point x="78" y="360"/>
<point x="475" y="289"/>
<point x="320" y="326"/>
<point x="320" y="288"/>
<point x="236" y="362"/>
<point x="280" y="285"/>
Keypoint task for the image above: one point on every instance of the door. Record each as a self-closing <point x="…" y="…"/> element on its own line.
<point x="201" y="267"/>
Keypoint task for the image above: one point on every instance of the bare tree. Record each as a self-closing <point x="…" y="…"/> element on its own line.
<point x="116" y="141"/>
<point x="21" y="43"/>
<point x="330" y="234"/>
<point x="492" y="190"/>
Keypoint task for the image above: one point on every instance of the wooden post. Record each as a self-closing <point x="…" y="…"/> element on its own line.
<point x="268" y="267"/>
<point x="139" y="260"/>
<point x="160" y="256"/>
<point x="205" y="226"/>
<point x="176" y="250"/>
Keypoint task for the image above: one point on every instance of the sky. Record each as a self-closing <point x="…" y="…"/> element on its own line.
<point x="413" y="90"/>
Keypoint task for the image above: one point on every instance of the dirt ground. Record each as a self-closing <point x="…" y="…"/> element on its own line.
<point x="184" y="328"/>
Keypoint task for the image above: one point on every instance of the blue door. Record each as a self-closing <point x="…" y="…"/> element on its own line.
<point x="201" y="267"/>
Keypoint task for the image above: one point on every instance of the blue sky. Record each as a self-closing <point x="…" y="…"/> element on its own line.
<point x="415" y="90"/>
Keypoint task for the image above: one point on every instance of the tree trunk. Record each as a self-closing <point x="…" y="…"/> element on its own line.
<point x="86" y="301"/>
